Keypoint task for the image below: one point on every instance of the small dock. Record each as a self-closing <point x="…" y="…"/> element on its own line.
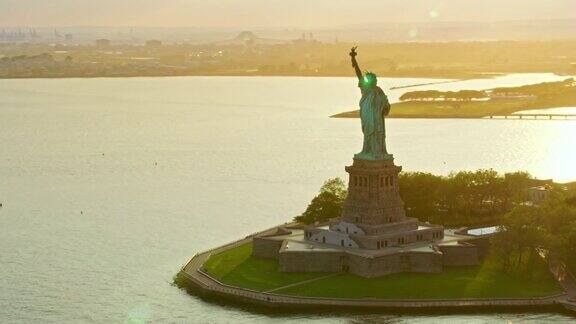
<point x="534" y="116"/>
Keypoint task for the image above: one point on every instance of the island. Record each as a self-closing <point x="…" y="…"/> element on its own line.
<point x="508" y="275"/>
<point x="497" y="102"/>
<point x="360" y="245"/>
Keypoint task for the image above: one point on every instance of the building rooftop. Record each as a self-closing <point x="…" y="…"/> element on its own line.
<point x="483" y="231"/>
<point x="295" y="242"/>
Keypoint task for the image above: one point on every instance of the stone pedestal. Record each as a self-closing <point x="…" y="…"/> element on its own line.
<point x="373" y="194"/>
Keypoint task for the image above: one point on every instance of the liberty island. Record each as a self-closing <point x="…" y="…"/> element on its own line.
<point x="343" y="261"/>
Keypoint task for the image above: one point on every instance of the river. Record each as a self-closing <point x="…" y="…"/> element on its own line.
<point x="108" y="186"/>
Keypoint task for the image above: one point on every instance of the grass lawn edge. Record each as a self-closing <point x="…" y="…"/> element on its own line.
<point x="236" y="267"/>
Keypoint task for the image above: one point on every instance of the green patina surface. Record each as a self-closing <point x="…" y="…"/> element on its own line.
<point x="237" y="267"/>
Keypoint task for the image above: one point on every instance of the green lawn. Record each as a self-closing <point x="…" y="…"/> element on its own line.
<point x="453" y="283"/>
<point x="236" y="267"/>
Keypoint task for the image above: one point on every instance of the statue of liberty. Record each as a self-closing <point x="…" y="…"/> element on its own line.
<point x="374" y="106"/>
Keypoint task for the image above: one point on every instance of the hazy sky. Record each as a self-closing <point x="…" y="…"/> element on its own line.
<point x="271" y="13"/>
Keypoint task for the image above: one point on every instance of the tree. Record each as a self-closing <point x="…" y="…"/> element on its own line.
<point x="468" y="95"/>
<point x="327" y="204"/>
<point x="421" y="193"/>
<point x="515" y="188"/>
<point x="426" y="95"/>
<point x="568" y="249"/>
<point x="522" y="235"/>
<point x="528" y="230"/>
<point x="450" y="96"/>
<point x="434" y="95"/>
<point x="462" y="198"/>
<point x="407" y="96"/>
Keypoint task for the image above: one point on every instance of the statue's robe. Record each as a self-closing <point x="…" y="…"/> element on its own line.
<point x="374" y="106"/>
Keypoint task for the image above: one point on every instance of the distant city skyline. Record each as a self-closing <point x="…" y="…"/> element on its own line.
<point x="272" y="13"/>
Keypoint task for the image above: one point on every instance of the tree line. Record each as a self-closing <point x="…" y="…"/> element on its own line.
<point x="435" y="95"/>
<point x="541" y="89"/>
<point x="477" y="198"/>
<point x="538" y="90"/>
<point x="529" y="232"/>
<point x="462" y="198"/>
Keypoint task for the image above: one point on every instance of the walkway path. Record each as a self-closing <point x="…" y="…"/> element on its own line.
<point x="303" y="282"/>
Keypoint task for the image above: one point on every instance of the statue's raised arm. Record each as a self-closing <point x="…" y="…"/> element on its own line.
<point x="355" y="63"/>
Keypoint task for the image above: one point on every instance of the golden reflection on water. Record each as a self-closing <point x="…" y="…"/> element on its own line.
<point x="561" y="156"/>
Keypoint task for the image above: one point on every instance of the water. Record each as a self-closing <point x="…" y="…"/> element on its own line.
<point x="109" y="185"/>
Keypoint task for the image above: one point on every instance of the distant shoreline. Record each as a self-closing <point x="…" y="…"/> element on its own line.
<point x="356" y="114"/>
<point x="443" y="78"/>
<point x="453" y="77"/>
<point x="227" y="75"/>
<point x="510" y="116"/>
